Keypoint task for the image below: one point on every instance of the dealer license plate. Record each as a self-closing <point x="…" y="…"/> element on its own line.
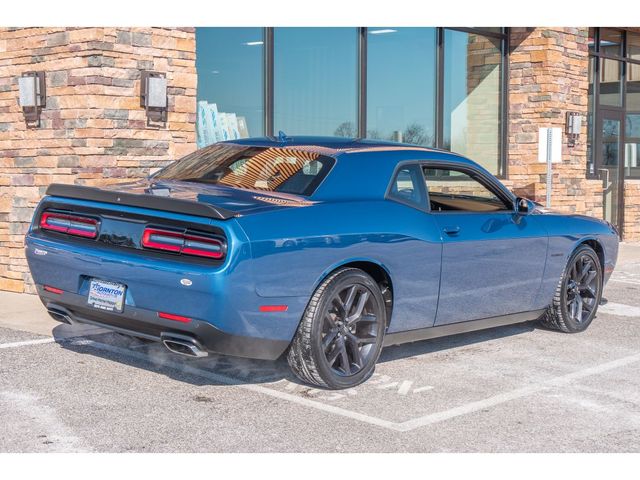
<point x="106" y="295"/>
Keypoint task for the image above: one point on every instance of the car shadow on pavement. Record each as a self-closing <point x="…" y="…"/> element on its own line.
<point x="223" y="370"/>
<point x="422" y="347"/>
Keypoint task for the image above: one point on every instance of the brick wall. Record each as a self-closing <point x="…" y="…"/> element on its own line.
<point x="548" y="77"/>
<point x="93" y="129"/>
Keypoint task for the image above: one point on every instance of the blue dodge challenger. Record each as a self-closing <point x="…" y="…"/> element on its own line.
<point x="323" y="249"/>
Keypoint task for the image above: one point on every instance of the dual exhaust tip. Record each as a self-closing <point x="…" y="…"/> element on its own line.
<point x="176" y="343"/>
<point x="183" y="345"/>
<point x="60" y="315"/>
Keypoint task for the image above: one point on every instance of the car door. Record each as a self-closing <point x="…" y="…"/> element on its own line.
<point x="493" y="258"/>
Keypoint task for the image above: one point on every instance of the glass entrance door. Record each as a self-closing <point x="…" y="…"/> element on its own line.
<point x="611" y="163"/>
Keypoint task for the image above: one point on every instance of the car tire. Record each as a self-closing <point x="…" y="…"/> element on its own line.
<point x="340" y="336"/>
<point x="578" y="293"/>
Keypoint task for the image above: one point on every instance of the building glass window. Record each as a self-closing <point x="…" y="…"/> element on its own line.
<point x="611" y="42"/>
<point x="315" y="81"/>
<point x="611" y="82"/>
<point x="614" y="89"/>
<point x="229" y="62"/>
<point x="428" y="86"/>
<point x="632" y="145"/>
<point x="633" y="46"/>
<point x="401" y="84"/>
<point x="591" y="42"/>
<point x="472" y="97"/>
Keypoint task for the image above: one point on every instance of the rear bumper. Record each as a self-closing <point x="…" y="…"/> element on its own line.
<point x="146" y="324"/>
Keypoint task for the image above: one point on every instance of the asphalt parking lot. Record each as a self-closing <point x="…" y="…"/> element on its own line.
<point x="513" y="389"/>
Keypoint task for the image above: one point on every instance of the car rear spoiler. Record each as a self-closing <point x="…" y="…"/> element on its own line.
<point x="152" y="202"/>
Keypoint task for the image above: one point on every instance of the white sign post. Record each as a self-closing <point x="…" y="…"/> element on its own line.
<point x="549" y="152"/>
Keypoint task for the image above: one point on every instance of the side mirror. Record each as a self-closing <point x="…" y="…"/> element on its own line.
<point x="522" y="206"/>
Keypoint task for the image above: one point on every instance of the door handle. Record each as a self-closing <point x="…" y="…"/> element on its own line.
<point x="451" y="230"/>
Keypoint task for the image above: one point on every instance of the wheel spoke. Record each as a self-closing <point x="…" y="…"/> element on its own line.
<point x="333" y="356"/>
<point x="348" y="303"/>
<point x="586" y="269"/>
<point x="355" y="350"/>
<point x="590" y="276"/>
<point x="590" y="291"/>
<point x="574" y="271"/>
<point x="327" y="341"/>
<point x="579" y="308"/>
<point x="344" y="359"/>
<point x="362" y="301"/>
<point x="574" y="309"/>
<point x="587" y="305"/>
<point x="329" y="320"/>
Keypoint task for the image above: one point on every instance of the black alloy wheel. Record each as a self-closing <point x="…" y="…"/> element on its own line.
<point x="582" y="288"/>
<point x="350" y="329"/>
<point x="340" y="336"/>
<point x="578" y="294"/>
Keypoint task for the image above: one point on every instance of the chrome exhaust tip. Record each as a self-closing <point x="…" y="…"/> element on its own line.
<point x="183" y="346"/>
<point x="60" y="316"/>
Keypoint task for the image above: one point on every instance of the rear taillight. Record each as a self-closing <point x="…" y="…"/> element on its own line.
<point x="184" y="243"/>
<point x="69" y="224"/>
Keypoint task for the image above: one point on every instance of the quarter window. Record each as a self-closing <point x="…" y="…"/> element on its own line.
<point x="455" y="190"/>
<point x="406" y="187"/>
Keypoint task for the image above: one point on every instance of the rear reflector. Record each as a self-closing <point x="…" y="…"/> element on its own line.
<point x="184" y="243"/>
<point x="69" y="224"/>
<point x="175" y="318"/>
<point x="55" y="290"/>
<point x="274" y="308"/>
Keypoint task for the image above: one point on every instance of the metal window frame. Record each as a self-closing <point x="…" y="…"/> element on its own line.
<point x="268" y="81"/>
<point x="362" y="82"/>
<point x="503" y="107"/>
<point x="362" y="79"/>
<point x="596" y="114"/>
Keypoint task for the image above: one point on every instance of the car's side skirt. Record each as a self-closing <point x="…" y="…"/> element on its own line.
<point x="397" y="338"/>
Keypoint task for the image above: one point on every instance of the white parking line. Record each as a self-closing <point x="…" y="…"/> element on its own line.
<point x="514" y="394"/>
<point x="396" y="426"/>
<point x="620" y="309"/>
<point x="60" y="437"/>
<point x="39" y="341"/>
<point x="223" y="379"/>
<point x="627" y="282"/>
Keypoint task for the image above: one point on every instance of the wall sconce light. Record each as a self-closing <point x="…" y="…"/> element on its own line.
<point x="573" y="127"/>
<point x="33" y="95"/>
<point x="153" y="96"/>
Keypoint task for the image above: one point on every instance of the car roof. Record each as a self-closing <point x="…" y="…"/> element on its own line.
<point x="331" y="145"/>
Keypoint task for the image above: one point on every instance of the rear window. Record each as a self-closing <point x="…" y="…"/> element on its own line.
<point x="253" y="168"/>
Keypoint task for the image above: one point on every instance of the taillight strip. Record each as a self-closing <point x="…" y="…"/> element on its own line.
<point x="184" y="243"/>
<point x="69" y="224"/>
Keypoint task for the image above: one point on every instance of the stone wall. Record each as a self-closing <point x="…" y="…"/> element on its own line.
<point x="93" y="129"/>
<point x="549" y="77"/>
<point x="631" y="227"/>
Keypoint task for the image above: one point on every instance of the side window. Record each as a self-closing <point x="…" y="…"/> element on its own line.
<point x="406" y="186"/>
<point x="455" y="190"/>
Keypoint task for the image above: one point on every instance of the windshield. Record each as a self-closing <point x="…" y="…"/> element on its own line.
<point x="255" y="168"/>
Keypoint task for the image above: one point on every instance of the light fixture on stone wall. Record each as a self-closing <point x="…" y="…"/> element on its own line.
<point x="33" y="95"/>
<point x="153" y="96"/>
<point x="573" y="127"/>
